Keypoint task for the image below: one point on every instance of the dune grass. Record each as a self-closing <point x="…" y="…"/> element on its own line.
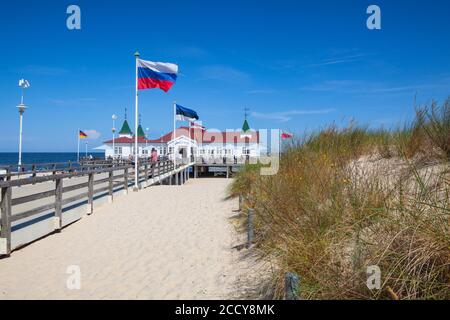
<point x="346" y="199"/>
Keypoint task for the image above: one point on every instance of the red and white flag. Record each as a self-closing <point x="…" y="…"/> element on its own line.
<point x="286" y="135"/>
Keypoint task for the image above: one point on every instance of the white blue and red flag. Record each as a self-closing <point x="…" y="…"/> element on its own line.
<point x="156" y="75"/>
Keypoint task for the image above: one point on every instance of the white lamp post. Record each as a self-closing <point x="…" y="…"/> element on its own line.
<point x="23" y="84"/>
<point x="114" y="118"/>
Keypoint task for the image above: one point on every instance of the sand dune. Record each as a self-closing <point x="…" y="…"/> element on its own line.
<point x="165" y="242"/>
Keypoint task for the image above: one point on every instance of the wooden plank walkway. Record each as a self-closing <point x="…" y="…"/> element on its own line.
<point x="164" y="242"/>
<point x="42" y="201"/>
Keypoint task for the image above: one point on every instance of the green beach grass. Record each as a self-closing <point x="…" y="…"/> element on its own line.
<point x="346" y="199"/>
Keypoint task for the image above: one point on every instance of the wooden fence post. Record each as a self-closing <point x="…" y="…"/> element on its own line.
<point x="176" y="178"/>
<point x="166" y="171"/>
<point x="250" y="233"/>
<point x="90" y="208"/>
<point x="153" y="171"/>
<point x="159" y="172"/>
<point x="138" y="176"/>
<point x="33" y="169"/>
<point x="146" y="174"/>
<point x="58" y="204"/>
<point x="5" y="233"/>
<point x="291" y="284"/>
<point x="241" y="201"/>
<point x="8" y="172"/>
<point x="125" y="180"/>
<point x="111" y="187"/>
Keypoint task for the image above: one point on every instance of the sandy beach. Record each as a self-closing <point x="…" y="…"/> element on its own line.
<point x="164" y="242"/>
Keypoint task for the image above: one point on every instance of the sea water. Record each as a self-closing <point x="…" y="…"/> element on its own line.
<point x="8" y="158"/>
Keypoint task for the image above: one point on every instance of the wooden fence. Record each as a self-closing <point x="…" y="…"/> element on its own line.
<point x="113" y="177"/>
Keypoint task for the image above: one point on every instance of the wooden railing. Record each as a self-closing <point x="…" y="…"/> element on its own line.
<point x="10" y="171"/>
<point x="123" y="180"/>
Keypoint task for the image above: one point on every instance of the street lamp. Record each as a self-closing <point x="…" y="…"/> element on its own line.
<point x="114" y="118"/>
<point x="23" y="84"/>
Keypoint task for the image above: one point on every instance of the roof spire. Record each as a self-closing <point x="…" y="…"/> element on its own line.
<point x="125" y="131"/>
<point x="245" y="126"/>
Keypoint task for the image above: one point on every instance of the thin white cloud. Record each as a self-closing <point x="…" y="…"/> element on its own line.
<point x="92" y="134"/>
<point x="334" y="85"/>
<point x="333" y="57"/>
<point x="285" y="116"/>
<point x="370" y="88"/>
<point x="338" y="60"/>
<point x="223" y="73"/>
<point x="261" y="91"/>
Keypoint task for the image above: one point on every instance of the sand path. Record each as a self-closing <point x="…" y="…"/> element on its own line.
<point x="165" y="242"/>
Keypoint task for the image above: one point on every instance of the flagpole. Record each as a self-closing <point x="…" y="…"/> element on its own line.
<point x="279" y="143"/>
<point x="86" y="149"/>
<point x="136" y="182"/>
<point x="174" y="132"/>
<point x="78" y="152"/>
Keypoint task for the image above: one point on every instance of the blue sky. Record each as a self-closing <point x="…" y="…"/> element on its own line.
<point x="298" y="65"/>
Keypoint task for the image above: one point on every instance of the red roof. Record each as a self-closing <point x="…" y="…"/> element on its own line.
<point x="127" y="140"/>
<point x="199" y="135"/>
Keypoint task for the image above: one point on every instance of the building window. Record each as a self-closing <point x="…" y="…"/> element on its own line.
<point x="118" y="150"/>
<point x="170" y="150"/>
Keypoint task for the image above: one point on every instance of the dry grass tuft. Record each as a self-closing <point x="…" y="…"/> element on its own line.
<point x="347" y="199"/>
